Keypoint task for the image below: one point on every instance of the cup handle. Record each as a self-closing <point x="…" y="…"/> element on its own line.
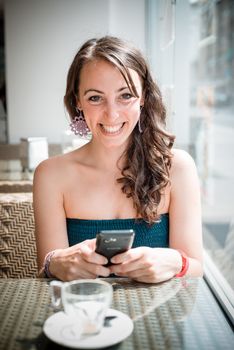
<point x="55" y="288"/>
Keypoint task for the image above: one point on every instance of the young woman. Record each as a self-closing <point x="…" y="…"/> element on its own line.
<point x="127" y="176"/>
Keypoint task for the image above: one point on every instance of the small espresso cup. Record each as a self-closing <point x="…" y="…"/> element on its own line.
<point x="85" y="302"/>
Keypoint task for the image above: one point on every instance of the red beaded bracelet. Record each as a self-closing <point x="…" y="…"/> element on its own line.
<point x="185" y="264"/>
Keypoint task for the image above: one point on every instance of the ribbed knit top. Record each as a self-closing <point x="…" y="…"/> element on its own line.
<point x="155" y="235"/>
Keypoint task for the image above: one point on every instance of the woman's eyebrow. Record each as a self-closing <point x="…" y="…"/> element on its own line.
<point x="101" y="92"/>
<point x="93" y="90"/>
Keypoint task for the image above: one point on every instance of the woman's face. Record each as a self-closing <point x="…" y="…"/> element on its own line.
<point x="111" y="111"/>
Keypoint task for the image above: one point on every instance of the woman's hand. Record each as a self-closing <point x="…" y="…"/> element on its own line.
<point x="78" y="261"/>
<point x="149" y="265"/>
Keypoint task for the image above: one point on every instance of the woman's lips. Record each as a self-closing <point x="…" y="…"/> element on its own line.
<point x="112" y="129"/>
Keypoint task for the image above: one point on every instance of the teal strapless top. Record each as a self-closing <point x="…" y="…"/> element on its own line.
<point x="155" y="235"/>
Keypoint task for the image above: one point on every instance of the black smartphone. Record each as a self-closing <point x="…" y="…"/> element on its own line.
<point x="112" y="242"/>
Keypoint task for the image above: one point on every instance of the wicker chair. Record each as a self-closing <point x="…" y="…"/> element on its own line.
<point x="17" y="240"/>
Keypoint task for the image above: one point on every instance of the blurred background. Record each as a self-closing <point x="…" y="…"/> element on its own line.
<point x="190" y="47"/>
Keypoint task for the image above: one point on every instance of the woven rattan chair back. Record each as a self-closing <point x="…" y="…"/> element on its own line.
<point x="17" y="240"/>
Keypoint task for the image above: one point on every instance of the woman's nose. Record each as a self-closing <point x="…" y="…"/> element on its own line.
<point x="111" y="110"/>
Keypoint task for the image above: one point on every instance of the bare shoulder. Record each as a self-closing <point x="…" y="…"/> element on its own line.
<point x="61" y="163"/>
<point x="183" y="169"/>
<point x="182" y="164"/>
<point x="54" y="170"/>
<point x="50" y="167"/>
<point x="181" y="159"/>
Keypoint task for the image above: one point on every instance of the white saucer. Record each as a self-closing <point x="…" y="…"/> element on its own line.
<point x="117" y="330"/>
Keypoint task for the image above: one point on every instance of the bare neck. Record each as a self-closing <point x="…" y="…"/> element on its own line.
<point x="108" y="159"/>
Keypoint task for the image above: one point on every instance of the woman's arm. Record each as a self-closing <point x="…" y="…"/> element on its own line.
<point x="185" y="211"/>
<point x="49" y="214"/>
<point x="67" y="263"/>
<point x="151" y="265"/>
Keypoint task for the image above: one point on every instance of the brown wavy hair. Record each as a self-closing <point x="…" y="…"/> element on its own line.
<point x="147" y="159"/>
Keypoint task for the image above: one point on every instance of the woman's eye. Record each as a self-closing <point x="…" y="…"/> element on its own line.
<point x="94" y="98"/>
<point x="126" y="96"/>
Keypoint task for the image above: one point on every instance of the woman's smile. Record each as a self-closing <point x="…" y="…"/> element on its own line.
<point x="112" y="129"/>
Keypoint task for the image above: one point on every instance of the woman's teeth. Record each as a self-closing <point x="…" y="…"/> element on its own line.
<point x="112" y="129"/>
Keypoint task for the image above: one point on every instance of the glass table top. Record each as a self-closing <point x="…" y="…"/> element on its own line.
<point x="177" y="314"/>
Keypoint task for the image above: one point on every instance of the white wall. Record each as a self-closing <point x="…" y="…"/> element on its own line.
<point x="127" y="20"/>
<point x="41" y="40"/>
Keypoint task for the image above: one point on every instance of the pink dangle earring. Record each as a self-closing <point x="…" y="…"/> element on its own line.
<point x="78" y="125"/>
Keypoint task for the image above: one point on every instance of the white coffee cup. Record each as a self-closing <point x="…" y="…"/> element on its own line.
<point x="85" y="302"/>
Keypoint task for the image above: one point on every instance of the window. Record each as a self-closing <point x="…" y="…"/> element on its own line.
<point x="198" y="88"/>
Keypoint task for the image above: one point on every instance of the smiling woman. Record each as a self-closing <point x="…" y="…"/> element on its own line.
<point x="127" y="176"/>
<point x="109" y="107"/>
